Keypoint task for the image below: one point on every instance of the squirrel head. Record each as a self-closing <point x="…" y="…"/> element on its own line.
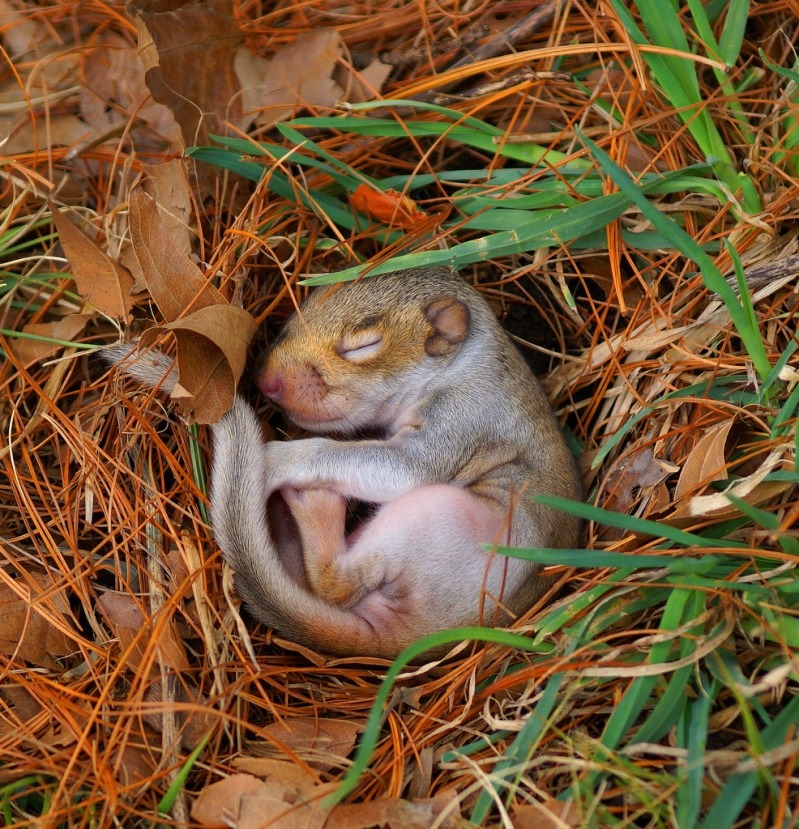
<point x="360" y="355"/>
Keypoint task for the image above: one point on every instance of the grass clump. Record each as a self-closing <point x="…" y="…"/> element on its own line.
<point x="622" y="186"/>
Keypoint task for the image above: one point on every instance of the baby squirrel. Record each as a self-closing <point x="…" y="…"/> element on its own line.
<point x="437" y="420"/>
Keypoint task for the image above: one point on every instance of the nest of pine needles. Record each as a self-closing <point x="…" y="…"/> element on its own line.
<point x="621" y="183"/>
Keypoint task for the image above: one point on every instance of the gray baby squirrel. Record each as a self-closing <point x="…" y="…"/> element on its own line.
<point x="460" y="437"/>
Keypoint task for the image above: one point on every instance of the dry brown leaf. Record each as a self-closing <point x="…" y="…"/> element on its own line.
<point x="306" y="72"/>
<point x="170" y="196"/>
<point x="114" y="90"/>
<point x="103" y="283"/>
<point x="178" y="574"/>
<point x="252" y="72"/>
<point x="66" y="329"/>
<point x="168" y="185"/>
<point x="706" y="462"/>
<point x="26" y="705"/>
<point x="135" y="765"/>
<point x="321" y="743"/>
<point x="751" y="488"/>
<point x="288" y="774"/>
<point x="196" y="65"/>
<point x="220" y="802"/>
<point x="246" y="802"/>
<point x="213" y="338"/>
<point x="123" y="615"/>
<point x="32" y="628"/>
<point x="188" y="51"/>
<point x="299" y="74"/>
<point x="549" y="814"/>
<point x="60" y="733"/>
<point x="634" y="475"/>
<point x="27" y="134"/>
<point x="212" y="350"/>
<point x="38" y="46"/>
<point x="364" y="85"/>
<point x="20" y="34"/>
<point x="390" y="812"/>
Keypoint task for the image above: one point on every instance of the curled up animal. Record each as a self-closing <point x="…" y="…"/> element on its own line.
<point x="419" y="405"/>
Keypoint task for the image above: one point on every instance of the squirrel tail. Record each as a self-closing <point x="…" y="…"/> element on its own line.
<point x="238" y="512"/>
<point x="151" y="368"/>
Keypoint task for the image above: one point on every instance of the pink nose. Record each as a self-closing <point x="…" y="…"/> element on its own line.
<point x="272" y="385"/>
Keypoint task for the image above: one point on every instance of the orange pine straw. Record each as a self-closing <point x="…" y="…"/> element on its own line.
<point x="122" y="646"/>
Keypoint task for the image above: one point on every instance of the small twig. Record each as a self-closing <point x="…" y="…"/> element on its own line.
<point x="507" y="40"/>
<point x="503" y="42"/>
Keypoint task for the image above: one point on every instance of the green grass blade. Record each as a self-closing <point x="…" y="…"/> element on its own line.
<point x="768" y="521"/>
<point x="671" y="706"/>
<point x="512" y="763"/>
<point x="692" y="735"/>
<point x="478" y="139"/>
<point x="371" y="733"/>
<point x="711" y="276"/>
<point x="774" y="375"/>
<point x="740" y="786"/>
<point x="668" y="709"/>
<point x="632" y="523"/>
<point x="349" y="178"/>
<point x="198" y="469"/>
<point x="541" y="231"/>
<point x="782" y="422"/>
<point x="601" y="558"/>
<point x="677" y="78"/>
<point x="168" y="800"/>
<point x="681" y="604"/>
<point x="340" y="173"/>
<point x="733" y="31"/>
<point x="278" y="183"/>
<point x="558" y="619"/>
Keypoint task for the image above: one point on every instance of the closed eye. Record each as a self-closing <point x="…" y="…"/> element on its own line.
<point x="359" y="346"/>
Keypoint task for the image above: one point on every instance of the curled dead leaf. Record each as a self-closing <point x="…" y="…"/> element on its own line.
<point x="752" y="488"/>
<point x="212" y="351"/>
<point x="212" y="339"/>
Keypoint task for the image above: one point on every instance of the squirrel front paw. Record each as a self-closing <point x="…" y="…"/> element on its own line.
<point x="290" y="463"/>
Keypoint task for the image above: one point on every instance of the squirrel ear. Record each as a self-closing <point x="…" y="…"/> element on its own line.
<point x="450" y="320"/>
